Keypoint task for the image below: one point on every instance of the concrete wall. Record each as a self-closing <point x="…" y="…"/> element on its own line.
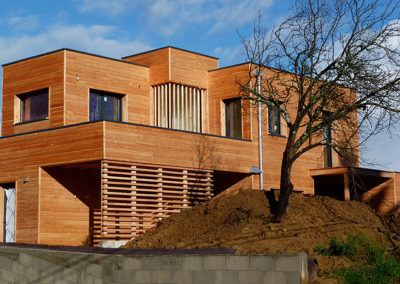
<point x="26" y="265"/>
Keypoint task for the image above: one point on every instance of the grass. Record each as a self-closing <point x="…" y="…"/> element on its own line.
<point x="372" y="262"/>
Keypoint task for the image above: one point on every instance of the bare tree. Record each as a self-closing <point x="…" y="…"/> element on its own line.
<point x="333" y="76"/>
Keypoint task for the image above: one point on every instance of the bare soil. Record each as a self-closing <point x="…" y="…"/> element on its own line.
<point x="243" y="221"/>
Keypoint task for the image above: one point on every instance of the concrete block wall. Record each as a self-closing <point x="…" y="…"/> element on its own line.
<point x="24" y="265"/>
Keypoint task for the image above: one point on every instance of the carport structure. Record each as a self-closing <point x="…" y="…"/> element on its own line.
<point x="380" y="189"/>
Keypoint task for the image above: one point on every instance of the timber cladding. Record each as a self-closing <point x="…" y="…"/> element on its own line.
<point x="158" y="62"/>
<point x="223" y="85"/>
<point x="22" y="156"/>
<point x="171" y="147"/>
<point x="85" y="72"/>
<point x="52" y="160"/>
<point x="68" y="194"/>
<point x="29" y="75"/>
<point x="171" y="64"/>
<point x="69" y="75"/>
<point x="175" y="106"/>
<point x="136" y="196"/>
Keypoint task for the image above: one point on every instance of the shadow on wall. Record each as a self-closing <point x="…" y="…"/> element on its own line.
<point x="228" y="182"/>
<point x="65" y="184"/>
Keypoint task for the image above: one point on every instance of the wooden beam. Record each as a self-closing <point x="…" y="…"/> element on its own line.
<point x="346" y="187"/>
<point x="328" y="171"/>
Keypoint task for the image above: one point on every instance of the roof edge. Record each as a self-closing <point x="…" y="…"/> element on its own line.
<point x="72" y="50"/>
<point x="170" y="46"/>
<point x="229" y="66"/>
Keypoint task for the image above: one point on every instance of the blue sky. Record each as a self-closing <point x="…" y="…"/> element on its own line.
<point x="117" y="28"/>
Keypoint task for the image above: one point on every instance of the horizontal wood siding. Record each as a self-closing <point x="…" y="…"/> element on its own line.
<point x="190" y="68"/>
<point x="222" y="86"/>
<point x="67" y="197"/>
<point x="174" y="65"/>
<point x="21" y="156"/>
<point x="176" y="148"/>
<point x="158" y="61"/>
<point x="37" y="73"/>
<point x="84" y="72"/>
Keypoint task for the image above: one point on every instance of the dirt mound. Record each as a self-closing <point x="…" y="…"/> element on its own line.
<point x="243" y="222"/>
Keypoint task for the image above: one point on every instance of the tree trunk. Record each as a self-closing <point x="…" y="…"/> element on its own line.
<point x="286" y="186"/>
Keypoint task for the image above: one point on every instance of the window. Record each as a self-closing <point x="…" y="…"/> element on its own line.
<point x="233" y="118"/>
<point x="104" y="106"/>
<point x="178" y="106"/>
<point x="274" y="121"/>
<point x="34" y="105"/>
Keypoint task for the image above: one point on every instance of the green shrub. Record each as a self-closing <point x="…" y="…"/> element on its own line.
<point x="386" y="271"/>
<point x="373" y="264"/>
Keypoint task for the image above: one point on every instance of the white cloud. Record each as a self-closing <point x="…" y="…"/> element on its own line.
<point x="24" y="23"/>
<point x="229" y="55"/>
<point x="170" y="16"/>
<point x="96" y="39"/>
<point x="110" y="7"/>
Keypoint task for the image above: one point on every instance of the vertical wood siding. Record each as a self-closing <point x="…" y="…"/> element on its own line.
<point x="178" y="107"/>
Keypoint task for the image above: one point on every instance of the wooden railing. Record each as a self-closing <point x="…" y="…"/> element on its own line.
<point x="134" y="197"/>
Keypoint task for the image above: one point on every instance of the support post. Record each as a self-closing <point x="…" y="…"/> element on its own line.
<point x="346" y="187"/>
<point x="260" y="150"/>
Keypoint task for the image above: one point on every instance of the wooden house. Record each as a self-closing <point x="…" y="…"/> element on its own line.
<point x="95" y="148"/>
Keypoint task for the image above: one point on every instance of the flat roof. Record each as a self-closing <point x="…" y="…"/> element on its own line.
<point x="73" y="50"/>
<point x="169" y="46"/>
<point x="351" y="170"/>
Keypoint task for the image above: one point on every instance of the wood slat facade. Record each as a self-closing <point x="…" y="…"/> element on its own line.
<point x="80" y="181"/>
<point x="136" y="196"/>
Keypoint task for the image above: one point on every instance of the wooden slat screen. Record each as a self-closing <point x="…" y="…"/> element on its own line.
<point x="178" y="107"/>
<point x="135" y="196"/>
<point x="96" y="229"/>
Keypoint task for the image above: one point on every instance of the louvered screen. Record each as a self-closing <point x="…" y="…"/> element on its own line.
<point x="136" y="196"/>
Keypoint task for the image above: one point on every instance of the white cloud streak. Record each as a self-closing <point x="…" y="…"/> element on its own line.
<point x="230" y="55"/>
<point x="109" y="7"/>
<point x="169" y="17"/>
<point x="96" y="39"/>
<point x="23" y="23"/>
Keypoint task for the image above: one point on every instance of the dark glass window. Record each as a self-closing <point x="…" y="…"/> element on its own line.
<point x="104" y="106"/>
<point x="233" y="118"/>
<point x="274" y="120"/>
<point x="34" y="105"/>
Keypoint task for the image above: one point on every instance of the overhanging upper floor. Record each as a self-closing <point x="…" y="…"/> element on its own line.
<point x="100" y="140"/>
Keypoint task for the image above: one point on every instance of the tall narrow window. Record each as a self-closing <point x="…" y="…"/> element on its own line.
<point x="233" y="118"/>
<point x="274" y="121"/>
<point x="327" y="138"/>
<point x="104" y="106"/>
<point x="34" y="105"/>
<point x="178" y="106"/>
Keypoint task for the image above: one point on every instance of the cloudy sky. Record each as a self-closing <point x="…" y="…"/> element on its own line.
<point x="117" y="28"/>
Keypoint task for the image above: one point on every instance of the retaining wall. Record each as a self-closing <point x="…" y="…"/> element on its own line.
<point x="29" y="265"/>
